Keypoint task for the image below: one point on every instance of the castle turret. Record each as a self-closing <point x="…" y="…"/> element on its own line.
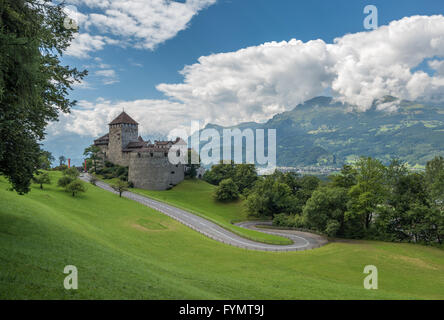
<point x="122" y="131"/>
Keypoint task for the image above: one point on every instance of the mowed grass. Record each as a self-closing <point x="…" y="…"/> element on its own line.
<point x="124" y="250"/>
<point x="197" y="196"/>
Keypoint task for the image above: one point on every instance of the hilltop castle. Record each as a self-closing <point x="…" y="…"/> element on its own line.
<point x="148" y="164"/>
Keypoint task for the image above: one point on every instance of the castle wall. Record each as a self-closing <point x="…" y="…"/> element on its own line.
<point x="153" y="171"/>
<point x="119" y="136"/>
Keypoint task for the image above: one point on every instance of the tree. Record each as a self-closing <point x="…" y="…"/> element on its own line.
<point x="369" y="192"/>
<point x="41" y="179"/>
<point x="64" y="181"/>
<point x="346" y="178"/>
<point x="45" y="160"/>
<point x="269" y="197"/>
<point x="245" y="176"/>
<point x="33" y="83"/>
<point x="62" y="160"/>
<point x="325" y="210"/>
<point x="69" y="175"/>
<point x="94" y="153"/>
<point x="75" y="187"/>
<point x="71" y="172"/>
<point x="120" y="187"/>
<point x="405" y="210"/>
<point x="434" y="176"/>
<point x="220" y="172"/>
<point x="227" y="191"/>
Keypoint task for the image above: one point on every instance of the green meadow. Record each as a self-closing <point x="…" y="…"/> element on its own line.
<point x="197" y="196"/>
<point x="123" y="250"/>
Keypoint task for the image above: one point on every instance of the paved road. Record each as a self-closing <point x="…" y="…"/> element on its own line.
<point x="301" y="240"/>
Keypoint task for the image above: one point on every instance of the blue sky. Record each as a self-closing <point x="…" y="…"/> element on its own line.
<point x="230" y="25"/>
<point x="230" y="61"/>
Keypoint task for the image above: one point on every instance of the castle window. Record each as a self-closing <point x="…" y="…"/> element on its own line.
<point x="166" y="154"/>
<point x="151" y="154"/>
<point x="172" y="172"/>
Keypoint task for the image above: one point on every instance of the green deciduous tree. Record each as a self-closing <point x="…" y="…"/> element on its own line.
<point x="245" y="176"/>
<point x="76" y="186"/>
<point x="434" y="175"/>
<point x="45" y="160"/>
<point x="269" y="197"/>
<point x="69" y="175"/>
<point x="369" y="192"/>
<point x="325" y="210"/>
<point x="220" y="172"/>
<point x="120" y="187"/>
<point x="41" y="178"/>
<point x="227" y="191"/>
<point x="33" y="84"/>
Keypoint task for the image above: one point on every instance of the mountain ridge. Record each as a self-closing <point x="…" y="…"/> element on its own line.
<point x="321" y="131"/>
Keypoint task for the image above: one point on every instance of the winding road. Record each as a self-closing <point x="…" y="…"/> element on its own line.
<point x="301" y="240"/>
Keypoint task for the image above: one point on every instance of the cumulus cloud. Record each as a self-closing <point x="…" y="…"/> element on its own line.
<point x="372" y="64"/>
<point x="136" y="23"/>
<point x="84" y="43"/>
<point x="254" y="83"/>
<point x="154" y="117"/>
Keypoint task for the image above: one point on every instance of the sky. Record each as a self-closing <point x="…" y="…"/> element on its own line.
<point x="230" y="61"/>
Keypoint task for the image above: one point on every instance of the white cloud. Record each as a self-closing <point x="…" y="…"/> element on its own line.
<point x="137" y="23"/>
<point x="438" y="66"/>
<point x="109" y="76"/>
<point x="154" y="116"/>
<point x="372" y="64"/>
<point x="84" y="43"/>
<point x="254" y="83"/>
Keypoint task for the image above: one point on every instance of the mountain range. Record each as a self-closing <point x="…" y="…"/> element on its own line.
<point x="322" y="132"/>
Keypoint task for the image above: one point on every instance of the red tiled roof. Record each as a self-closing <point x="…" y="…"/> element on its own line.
<point x="123" y="118"/>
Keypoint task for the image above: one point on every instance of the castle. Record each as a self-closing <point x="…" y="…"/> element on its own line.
<point x="148" y="164"/>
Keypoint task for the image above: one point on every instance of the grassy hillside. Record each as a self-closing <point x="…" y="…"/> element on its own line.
<point x="125" y="250"/>
<point x="197" y="196"/>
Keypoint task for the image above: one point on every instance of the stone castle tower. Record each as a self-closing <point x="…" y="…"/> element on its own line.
<point x="148" y="163"/>
<point x="122" y="131"/>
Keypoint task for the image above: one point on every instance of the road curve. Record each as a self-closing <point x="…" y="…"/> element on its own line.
<point x="301" y="240"/>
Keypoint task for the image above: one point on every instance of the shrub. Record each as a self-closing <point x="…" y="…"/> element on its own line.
<point x="332" y="228"/>
<point x="64" y="181"/>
